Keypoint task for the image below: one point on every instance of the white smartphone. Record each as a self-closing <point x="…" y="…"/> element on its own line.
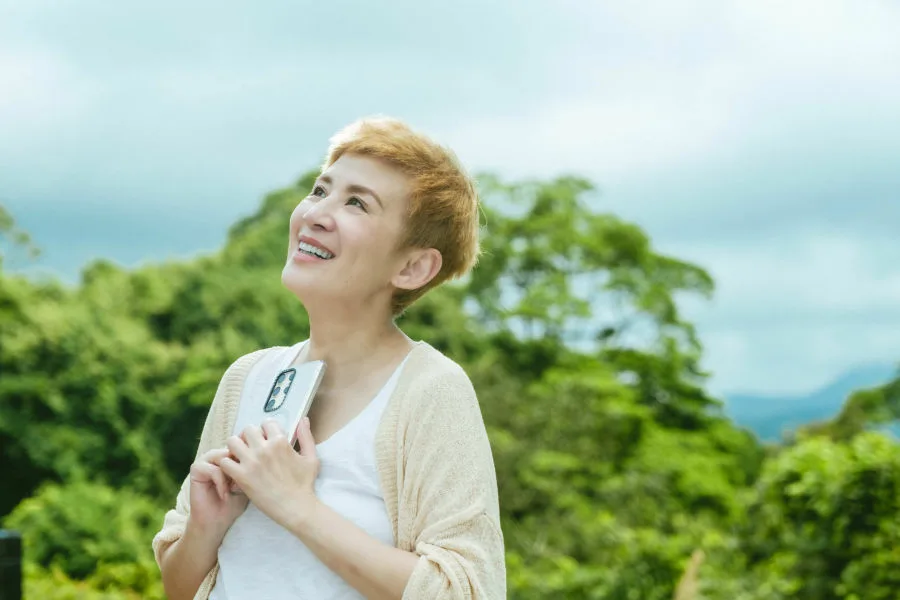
<point x="288" y="401"/>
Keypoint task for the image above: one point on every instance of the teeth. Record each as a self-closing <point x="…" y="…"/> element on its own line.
<point x="310" y="249"/>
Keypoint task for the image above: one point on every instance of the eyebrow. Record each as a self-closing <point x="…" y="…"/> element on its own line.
<point x="355" y="189"/>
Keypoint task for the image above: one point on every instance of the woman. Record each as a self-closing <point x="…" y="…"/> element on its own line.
<point x="393" y="491"/>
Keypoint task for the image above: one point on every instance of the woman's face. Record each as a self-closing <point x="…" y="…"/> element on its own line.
<point x="344" y="235"/>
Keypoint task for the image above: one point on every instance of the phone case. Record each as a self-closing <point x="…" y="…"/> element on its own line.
<point x="288" y="401"/>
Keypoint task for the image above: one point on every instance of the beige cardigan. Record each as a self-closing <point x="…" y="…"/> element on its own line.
<point x="436" y="472"/>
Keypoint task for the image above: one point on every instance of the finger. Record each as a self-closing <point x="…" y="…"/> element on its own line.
<point x="205" y="472"/>
<point x="272" y="430"/>
<point x="217" y="458"/>
<point x="237" y="448"/>
<point x="252" y="436"/>
<point x="221" y="483"/>
<point x="201" y="472"/>
<point x="305" y="437"/>
<point x="213" y="456"/>
<point x="231" y="468"/>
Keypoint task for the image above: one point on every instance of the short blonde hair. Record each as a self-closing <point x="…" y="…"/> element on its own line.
<point x="443" y="204"/>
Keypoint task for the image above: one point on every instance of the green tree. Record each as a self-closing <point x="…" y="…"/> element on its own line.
<point x="85" y="529"/>
<point x="863" y="410"/>
<point x="13" y="238"/>
<point x="614" y="463"/>
<point x="822" y="523"/>
<point x="553" y="267"/>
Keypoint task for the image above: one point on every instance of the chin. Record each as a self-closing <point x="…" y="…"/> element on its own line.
<point x="294" y="281"/>
<point x="303" y="285"/>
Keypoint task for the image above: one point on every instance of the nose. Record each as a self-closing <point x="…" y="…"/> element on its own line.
<point x="318" y="215"/>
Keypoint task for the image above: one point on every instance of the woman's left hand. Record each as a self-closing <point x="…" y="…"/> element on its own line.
<point x="277" y="479"/>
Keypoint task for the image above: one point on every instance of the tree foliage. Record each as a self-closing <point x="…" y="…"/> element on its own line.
<point x="615" y="465"/>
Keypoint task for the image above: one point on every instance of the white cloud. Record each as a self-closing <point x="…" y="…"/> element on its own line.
<point x="39" y="92"/>
<point x="788" y="359"/>
<point x="673" y="64"/>
<point x="791" y="312"/>
<point x="758" y="138"/>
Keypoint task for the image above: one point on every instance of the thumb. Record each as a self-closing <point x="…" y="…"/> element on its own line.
<point x="305" y="438"/>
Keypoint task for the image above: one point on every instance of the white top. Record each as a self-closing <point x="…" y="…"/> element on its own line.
<point x="258" y="558"/>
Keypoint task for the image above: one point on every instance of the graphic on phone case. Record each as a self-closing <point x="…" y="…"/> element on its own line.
<point x="280" y="390"/>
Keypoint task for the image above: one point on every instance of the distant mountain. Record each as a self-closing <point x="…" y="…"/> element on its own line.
<point x="768" y="416"/>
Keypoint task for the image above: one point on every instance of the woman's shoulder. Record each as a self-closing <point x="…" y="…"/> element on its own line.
<point x="434" y="382"/>
<point x="429" y="366"/>
<point x="437" y="399"/>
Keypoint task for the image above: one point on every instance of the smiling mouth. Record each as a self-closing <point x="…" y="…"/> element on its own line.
<point x="311" y="250"/>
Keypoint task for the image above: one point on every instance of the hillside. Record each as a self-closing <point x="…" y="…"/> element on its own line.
<point x="770" y="415"/>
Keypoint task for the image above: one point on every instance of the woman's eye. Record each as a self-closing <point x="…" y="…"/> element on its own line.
<point x="318" y="191"/>
<point x="356" y="202"/>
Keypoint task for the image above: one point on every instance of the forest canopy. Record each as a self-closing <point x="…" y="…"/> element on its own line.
<point x="619" y="473"/>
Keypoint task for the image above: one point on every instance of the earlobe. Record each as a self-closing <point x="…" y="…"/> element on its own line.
<point x="420" y="268"/>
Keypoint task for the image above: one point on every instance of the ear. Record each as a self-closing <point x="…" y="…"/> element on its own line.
<point x="421" y="266"/>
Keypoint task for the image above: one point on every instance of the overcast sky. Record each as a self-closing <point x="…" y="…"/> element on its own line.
<point x="759" y="139"/>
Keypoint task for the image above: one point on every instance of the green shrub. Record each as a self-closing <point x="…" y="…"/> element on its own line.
<point x="54" y="584"/>
<point x="82" y="530"/>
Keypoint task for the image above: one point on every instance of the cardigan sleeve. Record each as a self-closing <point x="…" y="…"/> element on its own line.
<point x="215" y="431"/>
<point x="452" y="515"/>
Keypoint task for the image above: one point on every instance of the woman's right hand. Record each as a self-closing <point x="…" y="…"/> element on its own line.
<point x="213" y="510"/>
<point x="214" y="506"/>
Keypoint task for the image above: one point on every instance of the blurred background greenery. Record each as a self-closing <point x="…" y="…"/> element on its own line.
<point x="620" y="475"/>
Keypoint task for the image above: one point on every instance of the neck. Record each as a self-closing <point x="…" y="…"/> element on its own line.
<point x="350" y="341"/>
